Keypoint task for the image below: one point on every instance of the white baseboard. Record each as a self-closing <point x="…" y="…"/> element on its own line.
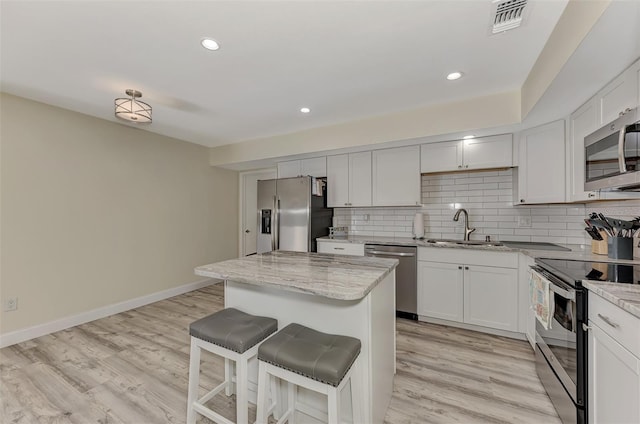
<point x="29" y="333"/>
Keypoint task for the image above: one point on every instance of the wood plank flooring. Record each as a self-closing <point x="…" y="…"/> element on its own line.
<point x="133" y="368"/>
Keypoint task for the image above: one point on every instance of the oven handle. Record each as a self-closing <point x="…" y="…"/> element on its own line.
<point x="555" y="284"/>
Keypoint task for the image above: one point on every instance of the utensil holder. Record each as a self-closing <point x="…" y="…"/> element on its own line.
<point x="600" y="247"/>
<point x="620" y="247"/>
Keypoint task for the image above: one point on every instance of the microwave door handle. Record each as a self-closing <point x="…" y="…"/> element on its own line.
<point x="621" y="159"/>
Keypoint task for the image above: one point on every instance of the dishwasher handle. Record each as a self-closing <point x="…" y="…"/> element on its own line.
<point x="378" y="252"/>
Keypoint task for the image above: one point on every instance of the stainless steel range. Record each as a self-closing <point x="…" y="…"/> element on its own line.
<point x="561" y="349"/>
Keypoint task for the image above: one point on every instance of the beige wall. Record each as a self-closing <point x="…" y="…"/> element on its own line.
<point x="95" y="213"/>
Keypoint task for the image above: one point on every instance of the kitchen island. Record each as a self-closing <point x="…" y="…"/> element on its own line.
<point x="348" y="295"/>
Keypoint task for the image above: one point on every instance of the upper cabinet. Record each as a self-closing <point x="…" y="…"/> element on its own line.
<point x="476" y="153"/>
<point x="396" y="176"/>
<point x="617" y="96"/>
<point x="541" y="170"/>
<point x="349" y="180"/>
<point x="316" y="167"/>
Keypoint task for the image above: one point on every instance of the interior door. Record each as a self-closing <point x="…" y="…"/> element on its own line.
<point x="249" y="221"/>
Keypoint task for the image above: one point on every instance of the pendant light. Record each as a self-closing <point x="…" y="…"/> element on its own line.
<point x="133" y="110"/>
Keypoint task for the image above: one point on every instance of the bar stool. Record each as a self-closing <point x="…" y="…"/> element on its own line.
<point x="316" y="361"/>
<point x="235" y="336"/>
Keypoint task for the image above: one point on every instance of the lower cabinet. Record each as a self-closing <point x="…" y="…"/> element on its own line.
<point x="614" y="365"/>
<point x="473" y="294"/>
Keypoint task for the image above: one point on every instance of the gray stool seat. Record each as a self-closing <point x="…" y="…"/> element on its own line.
<point x="315" y="355"/>
<point x="233" y="329"/>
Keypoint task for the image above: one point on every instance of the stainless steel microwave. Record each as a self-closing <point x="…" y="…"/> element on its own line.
<point x="612" y="155"/>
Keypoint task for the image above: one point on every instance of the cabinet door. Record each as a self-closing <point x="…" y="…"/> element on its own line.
<point x="440" y="290"/>
<point x="360" y="179"/>
<point x="614" y="380"/>
<point x="316" y="167"/>
<point x="396" y="176"/>
<point x="338" y="181"/>
<point x="541" y="170"/>
<point x="526" y="316"/>
<point x="582" y="122"/>
<point x="438" y="157"/>
<point x="491" y="297"/>
<point x="488" y="152"/>
<point x="338" y="248"/>
<point x="618" y="95"/>
<point x="289" y="169"/>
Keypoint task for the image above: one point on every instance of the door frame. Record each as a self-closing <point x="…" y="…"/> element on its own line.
<point x="241" y="206"/>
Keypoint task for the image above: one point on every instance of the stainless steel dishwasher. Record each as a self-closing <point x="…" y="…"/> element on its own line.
<point x="406" y="276"/>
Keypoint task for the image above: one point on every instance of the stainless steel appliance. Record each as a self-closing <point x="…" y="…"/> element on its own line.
<point x="406" y="276"/>
<point x="292" y="213"/>
<point x="612" y="155"/>
<point x="561" y="350"/>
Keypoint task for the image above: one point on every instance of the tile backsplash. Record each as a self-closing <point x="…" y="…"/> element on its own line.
<point x="488" y="197"/>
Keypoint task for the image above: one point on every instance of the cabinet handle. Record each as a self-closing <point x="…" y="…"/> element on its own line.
<point x="467" y="268"/>
<point x="466" y="166"/>
<point x="591" y="195"/>
<point x="521" y="200"/>
<point x="338" y="248"/>
<point x="460" y="267"/>
<point x="459" y="166"/>
<point x="608" y="321"/>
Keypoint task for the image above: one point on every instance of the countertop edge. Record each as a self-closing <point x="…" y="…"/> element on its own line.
<point x="612" y="293"/>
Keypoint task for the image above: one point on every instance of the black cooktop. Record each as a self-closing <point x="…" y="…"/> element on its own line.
<point x="573" y="271"/>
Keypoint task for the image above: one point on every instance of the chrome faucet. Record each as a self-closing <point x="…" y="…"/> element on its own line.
<point x="467" y="230"/>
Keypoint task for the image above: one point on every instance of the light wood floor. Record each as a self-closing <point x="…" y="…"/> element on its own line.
<point x="133" y="368"/>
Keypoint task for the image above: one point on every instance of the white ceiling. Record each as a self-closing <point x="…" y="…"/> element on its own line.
<point x="344" y="59"/>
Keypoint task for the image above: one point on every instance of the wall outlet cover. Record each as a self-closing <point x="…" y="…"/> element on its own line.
<point x="10" y="304"/>
<point x="524" y="221"/>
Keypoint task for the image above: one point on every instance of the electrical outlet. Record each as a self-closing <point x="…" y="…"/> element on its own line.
<point x="524" y="221"/>
<point x="365" y="217"/>
<point x="10" y="304"/>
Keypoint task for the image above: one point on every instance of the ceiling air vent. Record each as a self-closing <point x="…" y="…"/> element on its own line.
<point x="507" y="14"/>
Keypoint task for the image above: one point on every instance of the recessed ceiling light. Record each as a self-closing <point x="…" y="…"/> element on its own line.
<point x="210" y="44"/>
<point x="305" y="110"/>
<point x="454" y="76"/>
<point x="467" y="137"/>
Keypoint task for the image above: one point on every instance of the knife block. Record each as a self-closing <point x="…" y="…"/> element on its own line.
<point x="600" y="247"/>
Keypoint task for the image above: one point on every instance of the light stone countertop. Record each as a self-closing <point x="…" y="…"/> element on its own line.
<point x="626" y="296"/>
<point x="331" y="276"/>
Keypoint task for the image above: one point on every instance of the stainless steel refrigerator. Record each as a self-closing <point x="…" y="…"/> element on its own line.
<point x="292" y="213"/>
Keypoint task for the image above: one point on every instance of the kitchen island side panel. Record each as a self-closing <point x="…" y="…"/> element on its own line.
<point x="371" y="319"/>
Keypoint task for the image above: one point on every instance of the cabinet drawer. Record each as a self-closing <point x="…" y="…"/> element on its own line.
<point x="354" y="249"/>
<point x="616" y="322"/>
<point x="468" y="256"/>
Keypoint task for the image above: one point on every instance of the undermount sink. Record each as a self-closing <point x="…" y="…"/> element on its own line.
<point x="465" y="242"/>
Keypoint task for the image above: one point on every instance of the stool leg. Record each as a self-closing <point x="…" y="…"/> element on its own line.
<point x="261" y="403"/>
<point x="356" y="393"/>
<point x="291" y="400"/>
<point x="333" y="396"/>
<point x="194" y="381"/>
<point x="228" y="377"/>
<point x="242" y="401"/>
<point x="275" y="397"/>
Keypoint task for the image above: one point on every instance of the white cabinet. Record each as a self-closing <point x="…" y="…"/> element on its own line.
<point x="349" y="180"/>
<point x="582" y="122"/>
<point x="466" y="286"/>
<point x="316" y="167"/>
<point x="619" y="95"/>
<point x="440" y="290"/>
<point x="614" y="364"/>
<point x="541" y="169"/>
<point x="396" y="176"/>
<point x="491" y="297"/>
<point x="340" y="248"/>
<point x="526" y="315"/>
<point x="439" y="157"/>
<point x="476" y="153"/>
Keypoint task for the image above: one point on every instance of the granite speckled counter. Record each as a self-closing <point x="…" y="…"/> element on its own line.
<point x="626" y="296"/>
<point x="335" y="277"/>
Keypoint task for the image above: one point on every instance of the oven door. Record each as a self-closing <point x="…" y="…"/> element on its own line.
<point x="559" y="351"/>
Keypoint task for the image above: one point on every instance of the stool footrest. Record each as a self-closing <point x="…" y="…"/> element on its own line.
<point x="213" y="416"/>
<point x="206" y="398"/>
